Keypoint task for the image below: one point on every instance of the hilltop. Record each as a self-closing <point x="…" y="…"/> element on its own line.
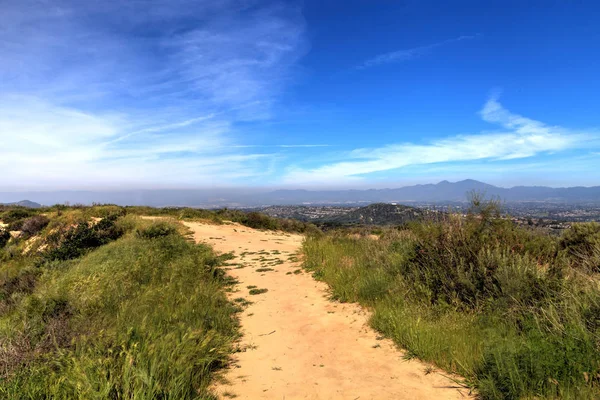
<point x="378" y="214"/>
<point x="373" y="214"/>
<point x="23" y="203"/>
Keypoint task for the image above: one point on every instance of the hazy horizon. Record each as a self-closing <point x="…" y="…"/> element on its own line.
<point x="258" y="189"/>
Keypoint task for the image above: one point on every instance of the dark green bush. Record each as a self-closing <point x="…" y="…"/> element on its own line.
<point x="16" y="225"/>
<point x="16" y="214"/>
<point x="84" y="236"/>
<point x="4" y="237"/>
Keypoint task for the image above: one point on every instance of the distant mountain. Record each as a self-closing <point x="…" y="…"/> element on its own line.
<point x="214" y="198"/>
<point x="23" y="203"/>
<point x="441" y="192"/>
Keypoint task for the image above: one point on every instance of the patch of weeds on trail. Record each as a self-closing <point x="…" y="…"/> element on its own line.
<point x="230" y="280"/>
<point x="226" y="257"/>
<point x="297" y="272"/>
<point x="258" y="291"/>
<point x="227" y="264"/>
<point x="242" y="301"/>
<point x="264" y="269"/>
<point x="251" y="287"/>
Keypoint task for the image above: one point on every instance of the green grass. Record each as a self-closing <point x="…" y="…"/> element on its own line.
<point x="141" y="317"/>
<point x="514" y="311"/>
<point x="258" y="291"/>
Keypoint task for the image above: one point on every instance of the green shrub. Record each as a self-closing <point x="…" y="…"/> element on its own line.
<point x="581" y="244"/>
<point x="156" y="229"/>
<point x="83" y="237"/>
<point x="16" y="214"/>
<point x="4" y="237"/>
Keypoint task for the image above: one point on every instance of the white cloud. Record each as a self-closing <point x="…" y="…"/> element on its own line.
<point x="144" y="92"/>
<point x="524" y="138"/>
<point x="409" y="54"/>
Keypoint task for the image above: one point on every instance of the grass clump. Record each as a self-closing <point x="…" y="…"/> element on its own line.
<point x="515" y="311"/>
<point x="264" y="269"/>
<point x="156" y="230"/>
<point x="258" y="291"/>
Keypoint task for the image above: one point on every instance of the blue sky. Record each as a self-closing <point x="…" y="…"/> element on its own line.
<point x="199" y="93"/>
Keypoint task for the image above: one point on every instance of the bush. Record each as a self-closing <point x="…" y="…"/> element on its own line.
<point x="157" y="229"/>
<point x="34" y="225"/>
<point x="260" y="221"/>
<point x="4" y="237"/>
<point x="16" y="225"/>
<point x="16" y="214"/>
<point x="581" y="244"/>
<point x="81" y="238"/>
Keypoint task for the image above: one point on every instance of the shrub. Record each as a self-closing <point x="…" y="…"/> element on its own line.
<point x="83" y="237"/>
<point x="157" y="229"/>
<point x="34" y="225"/>
<point x="16" y="225"/>
<point x="260" y="221"/>
<point x="581" y="244"/>
<point x="16" y="214"/>
<point x="4" y="237"/>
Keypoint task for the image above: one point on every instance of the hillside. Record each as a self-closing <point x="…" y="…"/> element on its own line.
<point x="98" y="304"/>
<point x="23" y="203"/>
<point x="373" y="214"/>
<point x="377" y="214"/>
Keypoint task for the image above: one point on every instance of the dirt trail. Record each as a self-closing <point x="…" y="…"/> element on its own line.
<point x="300" y="345"/>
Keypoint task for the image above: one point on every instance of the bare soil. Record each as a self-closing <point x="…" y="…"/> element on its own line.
<point x="297" y="344"/>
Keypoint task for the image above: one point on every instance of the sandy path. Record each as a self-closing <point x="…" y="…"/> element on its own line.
<point x="300" y="345"/>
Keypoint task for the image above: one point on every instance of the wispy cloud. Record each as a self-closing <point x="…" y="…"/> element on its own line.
<point x="409" y="54"/>
<point x="147" y="91"/>
<point x="522" y="138"/>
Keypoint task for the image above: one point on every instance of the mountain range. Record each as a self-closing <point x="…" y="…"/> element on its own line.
<point x="208" y="198"/>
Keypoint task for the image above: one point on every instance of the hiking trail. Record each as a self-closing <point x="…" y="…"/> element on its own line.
<point x="297" y="344"/>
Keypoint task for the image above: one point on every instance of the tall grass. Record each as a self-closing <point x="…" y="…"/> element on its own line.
<point x="510" y="309"/>
<point x="142" y="317"/>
